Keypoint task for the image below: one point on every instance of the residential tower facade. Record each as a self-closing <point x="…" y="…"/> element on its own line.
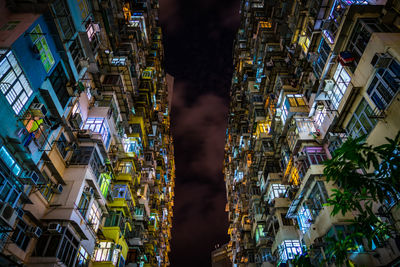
<point x="307" y="75"/>
<point x="86" y="157"/>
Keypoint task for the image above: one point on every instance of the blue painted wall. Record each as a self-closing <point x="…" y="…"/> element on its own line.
<point x="30" y="63"/>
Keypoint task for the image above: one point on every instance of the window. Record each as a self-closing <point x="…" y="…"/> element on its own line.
<point x="295" y="100"/>
<point x="384" y="85"/>
<point x="342" y="81"/>
<point x="46" y="189"/>
<point x="106" y="252"/>
<point x="362" y="122"/>
<point x="83" y="7"/>
<point x="126" y="167"/>
<point x="259" y="232"/>
<point x="360" y="37"/>
<point x="320" y="115"/>
<point x="289" y="249"/>
<point x="304" y="218"/>
<point x="276" y="190"/>
<point x="114" y="218"/>
<point x="61" y="145"/>
<point x="99" y="125"/>
<point x="286" y="221"/>
<point x="19" y="236"/>
<point x="317" y="198"/>
<point x="339" y="232"/>
<point x="323" y="51"/>
<point x="64" y="18"/>
<point x="121" y="191"/>
<point x="6" y="157"/>
<point x="83" y="258"/>
<point x="64" y="246"/>
<point x="76" y="53"/>
<point x="39" y="40"/>
<point x="83" y="204"/>
<point x="59" y="80"/>
<point x="104" y="183"/>
<point x="8" y="192"/>
<point x="94" y="216"/>
<point x="139" y="210"/>
<point x="13" y="83"/>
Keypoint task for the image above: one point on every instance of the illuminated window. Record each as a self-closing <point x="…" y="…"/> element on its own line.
<point x="40" y="42"/>
<point x="91" y="31"/>
<point x="83" y="204"/>
<point x="104" y="183"/>
<point x="304" y="42"/>
<point x="259" y="232"/>
<point x="295" y="100"/>
<point x="106" y="252"/>
<point x="125" y="167"/>
<point x="294" y="177"/>
<point x="304" y="218"/>
<point x="99" y="125"/>
<point x="94" y="216"/>
<point x="9" y="161"/>
<point x="13" y="83"/>
<point x="320" y="115"/>
<point x="121" y="191"/>
<point x="83" y="7"/>
<point x="276" y="191"/>
<point x="288" y="249"/>
<point x="83" y="258"/>
<point x="342" y="81"/>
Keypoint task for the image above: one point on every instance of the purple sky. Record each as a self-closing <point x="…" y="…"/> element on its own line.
<point x="198" y="40"/>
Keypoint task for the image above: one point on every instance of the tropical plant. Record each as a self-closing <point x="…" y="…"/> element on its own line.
<point x="365" y="175"/>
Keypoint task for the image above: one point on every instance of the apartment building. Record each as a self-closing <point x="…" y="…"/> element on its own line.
<point x="87" y="159"/>
<point x="307" y="75"/>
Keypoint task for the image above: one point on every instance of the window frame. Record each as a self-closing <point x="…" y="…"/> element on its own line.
<point x="39" y="40"/>
<point x="380" y="90"/>
<point x="13" y="76"/>
<point x="360" y="115"/>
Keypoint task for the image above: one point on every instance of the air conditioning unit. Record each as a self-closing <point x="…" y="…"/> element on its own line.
<point x="35" y="232"/>
<point x="329" y="84"/>
<point x="301" y="155"/>
<point x="29" y="177"/>
<point x="309" y="202"/>
<point x="332" y="137"/>
<point x="85" y="134"/>
<point x="8" y="214"/>
<point x="84" y="63"/>
<point x="54" y="228"/>
<point x="58" y="189"/>
<point x="89" y="190"/>
<point x="38" y="110"/>
<point x="76" y="121"/>
<point x="381" y="60"/>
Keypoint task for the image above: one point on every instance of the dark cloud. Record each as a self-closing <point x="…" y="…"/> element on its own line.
<point x="169" y="15"/>
<point x="198" y="39"/>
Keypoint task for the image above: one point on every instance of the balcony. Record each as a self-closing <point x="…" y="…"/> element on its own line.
<point x="309" y="162"/>
<point x="122" y="198"/>
<point x="126" y="171"/>
<point x="301" y="130"/>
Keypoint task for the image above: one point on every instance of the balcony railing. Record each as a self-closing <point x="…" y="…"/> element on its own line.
<point x="310" y="156"/>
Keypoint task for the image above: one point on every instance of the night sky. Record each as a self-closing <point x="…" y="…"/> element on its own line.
<point x="198" y="39"/>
